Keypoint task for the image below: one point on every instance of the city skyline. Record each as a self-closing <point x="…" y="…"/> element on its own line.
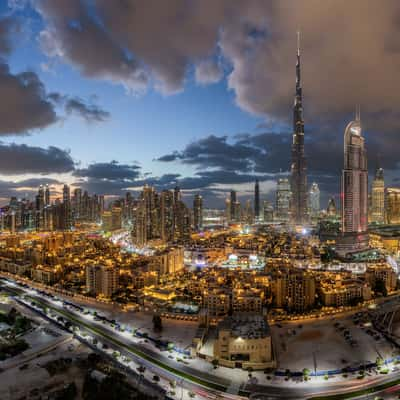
<point x="216" y="129"/>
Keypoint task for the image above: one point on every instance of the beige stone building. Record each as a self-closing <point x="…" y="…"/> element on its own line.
<point x="383" y="272"/>
<point x="243" y="341"/>
<point x="294" y="290"/>
<point x="338" y="292"/>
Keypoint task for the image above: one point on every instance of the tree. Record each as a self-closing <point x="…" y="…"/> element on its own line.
<point x="379" y="361"/>
<point x="192" y="395"/>
<point x="156" y="378"/>
<point x="306" y="374"/>
<point x="172" y="384"/>
<point x="215" y="363"/>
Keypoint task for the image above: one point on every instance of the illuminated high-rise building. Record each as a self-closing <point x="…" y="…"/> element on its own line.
<point x="233" y="203"/>
<point x="298" y="179"/>
<point x="314" y="199"/>
<point x="197" y="212"/>
<point x="66" y="208"/>
<point x="331" y="209"/>
<point x="392" y="207"/>
<point x="377" y="213"/>
<point x="268" y="211"/>
<point x="47" y="196"/>
<point x="167" y="215"/>
<point x="257" y="200"/>
<point x="354" y="189"/>
<point x="228" y="210"/>
<point x="40" y="223"/>
<point x="282" y="200"/>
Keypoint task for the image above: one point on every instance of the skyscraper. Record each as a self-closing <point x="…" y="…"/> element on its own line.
<point x="331" y="209"/>
<point x="378" y="197"/>
<point x="167" y="215"/>
<point x="66" y="218"/>
<point x="257" y="200"/>
<point x="233" y="206"/>
<point x="314" y="197"/>
<point x="354" y="189"/>
<point x="298" y="168"/>
<point x="47" y="196"/>
<point x="392" y="212"/>
<point x="197" y="212"/>
<point x="282" y="200"/>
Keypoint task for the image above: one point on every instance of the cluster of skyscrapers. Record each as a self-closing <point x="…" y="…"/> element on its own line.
<point x="164" y="216"/>
<point x="42" y="214"/>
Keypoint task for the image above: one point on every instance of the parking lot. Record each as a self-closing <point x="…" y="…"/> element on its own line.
<point x="329" y="344"/>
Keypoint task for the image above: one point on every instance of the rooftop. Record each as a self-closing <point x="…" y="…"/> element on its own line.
<point x="247" y="326"/>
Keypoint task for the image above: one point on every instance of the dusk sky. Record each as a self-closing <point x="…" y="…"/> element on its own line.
<point x="110" y="94"/>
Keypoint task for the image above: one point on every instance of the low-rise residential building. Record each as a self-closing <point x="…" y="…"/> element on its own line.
<point x="383" y="272"/>
<point x="338" y="292"/>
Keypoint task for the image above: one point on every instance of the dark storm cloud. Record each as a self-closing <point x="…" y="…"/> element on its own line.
<point x="214" y="151"/>
<point x="23" y="105"/>
<point x="23" y="159"/>
<point x="112" y="171"/>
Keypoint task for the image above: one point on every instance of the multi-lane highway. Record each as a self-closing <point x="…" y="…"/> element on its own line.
<point x="200" y="382"/>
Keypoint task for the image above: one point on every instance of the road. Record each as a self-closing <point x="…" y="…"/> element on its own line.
<point x="209" y="385"/>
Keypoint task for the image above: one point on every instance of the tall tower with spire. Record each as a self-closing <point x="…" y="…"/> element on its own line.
<point x="299" y="166"/>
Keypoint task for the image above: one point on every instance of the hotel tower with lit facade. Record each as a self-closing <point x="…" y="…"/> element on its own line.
<point x="298" y="181"/>
<point x="354" y="190"/>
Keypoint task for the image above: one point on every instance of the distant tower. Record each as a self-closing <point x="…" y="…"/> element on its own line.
<point x="257" y="200"/>
<point x="167" y="215"/>
<point x="197" y="212"/>
<point x="299" y="167"/>
<point x="354" y="189"/>
<point x="282" y="200"/>
<point x="378" y="197"/>
<point x="233" y="206"/>
<point x="314" y="197"/>
<point x="331" y="209"/>
<point x="47" y="196"/>
<point x="67" y="220"/>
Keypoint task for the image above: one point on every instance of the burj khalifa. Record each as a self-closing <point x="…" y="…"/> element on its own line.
<point x="299" y="207"/>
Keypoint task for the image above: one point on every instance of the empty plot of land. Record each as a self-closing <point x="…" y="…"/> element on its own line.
<point x="322" y="346"/>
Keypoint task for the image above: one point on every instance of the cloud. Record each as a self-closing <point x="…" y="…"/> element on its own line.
<point x="18" y="159"/>
<point x="214" y="151"/>
<point x="112" y="171"/>
<point x="7" y="25"/>
<point x="140" y="45"/>
<point x="208" y="71"/>
<point x="23" y="105"/>
<point x="75" y="34"/>
<point x="89" y="112"/>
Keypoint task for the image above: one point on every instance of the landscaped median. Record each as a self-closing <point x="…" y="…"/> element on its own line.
<point x="191" y="378"/>
<point x="357" y="393"/>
